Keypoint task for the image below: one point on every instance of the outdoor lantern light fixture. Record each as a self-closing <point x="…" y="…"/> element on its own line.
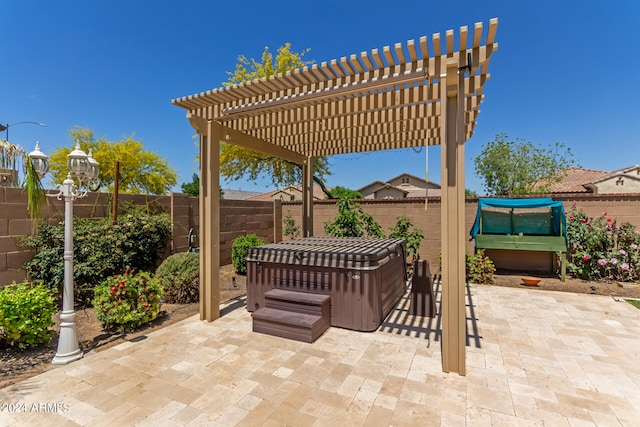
<point x="86" y="170"/>
<point x="40" y="161"/>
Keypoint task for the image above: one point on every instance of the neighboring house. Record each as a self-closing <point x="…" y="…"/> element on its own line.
<point x="239" y="194"/>
<point x="289" y="194"/>
<point x="579" y="180"/>
<point x="400" y="187"/>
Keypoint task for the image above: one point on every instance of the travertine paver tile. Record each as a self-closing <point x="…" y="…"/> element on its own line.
<point x="259" y="415"/>
<point x="491" y="399"/>
<point x="350" y="386"/>
<point x="35" y="420"/>
<point x="569" y="360"/>
<point x="126" y="414"/>
<point x="186" y="415"/>
<point x="378" y="417"/>
<point x="362" y="402"/>
<point x="335" y="417"/>
<point x="292" y="417"/>
<point x="165" y="414"/>
<point x="231" y="416"/>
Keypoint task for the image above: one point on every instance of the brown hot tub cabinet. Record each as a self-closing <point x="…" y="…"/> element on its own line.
<point x="364" y="277"/>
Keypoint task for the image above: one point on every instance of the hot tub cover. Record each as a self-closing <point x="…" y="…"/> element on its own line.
<point x="345" y="252"/>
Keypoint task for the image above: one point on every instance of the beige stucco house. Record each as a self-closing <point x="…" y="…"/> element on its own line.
<point x="289" y="194"/>
<point x="579" y="180"/>
<point x="402" y="186"/>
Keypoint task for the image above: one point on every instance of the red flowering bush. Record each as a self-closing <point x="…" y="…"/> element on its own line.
<point x="127" y="301"/>
<point x="600" y="249"/>
<point x="479" y="268"/>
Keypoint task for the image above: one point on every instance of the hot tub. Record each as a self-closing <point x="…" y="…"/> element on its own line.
<point x="365" y="277"/>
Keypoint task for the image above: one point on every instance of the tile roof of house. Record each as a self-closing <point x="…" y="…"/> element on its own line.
<point x="576" y="179"/>
<point x="318" y="194"/>
<point x="239" y="194"/>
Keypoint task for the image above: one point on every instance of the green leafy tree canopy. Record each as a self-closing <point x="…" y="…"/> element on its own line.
<point x="238" y="162"/>
<point x="141" y="171"/>
<point x="339" y="192"/>
<point x="517" y="167"/>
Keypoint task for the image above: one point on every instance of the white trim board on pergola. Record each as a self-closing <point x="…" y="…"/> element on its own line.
<point x="409" y="95"/>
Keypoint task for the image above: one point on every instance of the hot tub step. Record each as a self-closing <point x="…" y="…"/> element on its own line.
<point x="299" y="302"/>
<point x="289" y="324"/>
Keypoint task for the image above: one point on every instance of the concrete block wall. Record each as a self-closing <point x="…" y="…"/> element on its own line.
<point x="425" y="216"/>
<point x="238" y="218"/>
<point x="623" y="208"/>
<point x="265" y="219"/>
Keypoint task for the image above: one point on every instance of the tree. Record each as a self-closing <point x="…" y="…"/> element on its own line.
<point x="352" y="221"/>
<point x="193" y="188"/>
<point x="141" y="171"/>
<point x="401" y="231"/>
<point x="517" y="167"/>
<point x="339" y="192"/>
<point x="237" y="162"/>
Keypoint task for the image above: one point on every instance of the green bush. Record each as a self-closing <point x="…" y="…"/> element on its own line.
<point x="290" y="230"/>
<point x="127" y="301"/>
<point x="401" y="231"/>
<point x="101" y="249"/>
<point x="179" y="277"/>
<point x="240" y="248"/>
<point x="352" y="221"/>
<point x="600" y="249"/>
<point x="26" y="315"/>
<point x="479" y="268"/>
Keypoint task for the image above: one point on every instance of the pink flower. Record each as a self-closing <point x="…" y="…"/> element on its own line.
<point x="609" y="220"/>
<point x="572" y="217"/>
<point x="623" y="252"/>
<point x="634" y="246"/>
<point x="604" y="213"/>
<point x="625" y="266"/>
<point x="602" y="262"/>
<point x="586" y="258"/>
<point x="583" y="220"/>
<point x="614" y="261"/>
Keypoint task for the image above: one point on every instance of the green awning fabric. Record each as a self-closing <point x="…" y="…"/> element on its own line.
<point x="513" y="222"/>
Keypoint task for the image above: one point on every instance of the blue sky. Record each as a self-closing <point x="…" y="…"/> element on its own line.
<point x="565" y="71"/>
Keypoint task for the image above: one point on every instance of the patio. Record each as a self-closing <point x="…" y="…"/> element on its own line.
<point x="533" y="357"/>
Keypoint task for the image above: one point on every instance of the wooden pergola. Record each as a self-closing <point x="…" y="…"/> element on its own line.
<point x="409" y="95"/>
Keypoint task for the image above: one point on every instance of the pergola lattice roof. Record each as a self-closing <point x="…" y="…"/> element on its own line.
<point x="380" y="100"/>
<point x="411" y="95"/>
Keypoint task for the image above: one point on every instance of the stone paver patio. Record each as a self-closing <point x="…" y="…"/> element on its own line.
<point x="534" y="358"/>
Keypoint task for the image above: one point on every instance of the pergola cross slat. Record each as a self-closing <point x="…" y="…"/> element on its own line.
<point x="406" y="96"/>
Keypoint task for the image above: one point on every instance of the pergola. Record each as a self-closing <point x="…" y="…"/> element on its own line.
<point x="410" y="95"/>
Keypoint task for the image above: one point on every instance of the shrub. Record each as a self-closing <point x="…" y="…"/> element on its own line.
<point x="401" y="231"/>
<point x="127" y="301"/>
<point x="600" y="249"/>
<point x="179" y="277"/>
<point x="352" y="221"/>
<point x="240" y="248"/>
<point x="101" y="249"/>
<point x="479" y="268"/>
<point x="290" y="228"/>
<point x="26" y="315"/>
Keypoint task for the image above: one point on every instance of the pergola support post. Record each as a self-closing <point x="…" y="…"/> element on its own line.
<point x="210" y="222"/>
<point x="453" y="220"/>
<point x="307" y="198"/>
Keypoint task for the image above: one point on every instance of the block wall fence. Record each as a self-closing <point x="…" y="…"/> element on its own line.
<point x="240" y="217"/>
